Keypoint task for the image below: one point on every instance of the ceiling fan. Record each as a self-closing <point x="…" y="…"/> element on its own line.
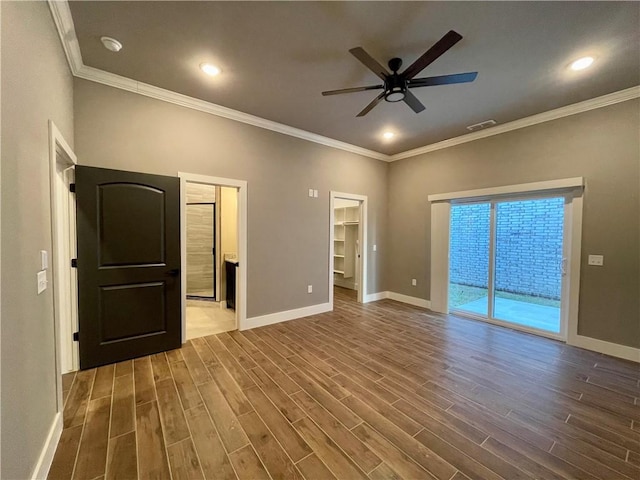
<point x="396" y="85"/>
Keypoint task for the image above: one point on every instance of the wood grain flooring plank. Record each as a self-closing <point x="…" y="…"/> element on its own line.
<point x="384" y="472"/>
<point x="247" y="464"/>
<point x="92" y="454"/>
<point x="199" y="372"/>
<point x="226" y="422"/>
<point x="351" y="445"/>
<point x="174" y="356"/>
<point x="123" y="407"/>
<point x="399" y="461"/>
<point x="230" y="364"/>
<point x="214" y="461"/>
<point x="243" y="358"/>
<point x="319" y="378"/>
<point x="75" y="408"/>
<point x="187" y="389"/>
<point x="231" y="391"/>
<point x="292" y="443"/>
<point x="376" y="403"/>
<point x="66" y="453"/>
<point x="160" y="367"/>
<point x="272" y="455"/>
<point x="280" y="399"/>
<point x="174" y="425"/>
<point x="335" y="459"/>
<point x="124" y="368"/>
<point x="520" y="460"/>
<point x="312" y="468"/>
<point x="103" y="384"/>
<point x="67" y="380"/>
<point x="183" y="461"/>
<point x="143" y="381"/>
<point x="422" y="455"/>
<point x="152" y="457"/>
<point x="335" y="407"/>
<point x="122" y="460"/>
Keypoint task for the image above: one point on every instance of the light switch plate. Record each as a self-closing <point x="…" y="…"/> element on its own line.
<point x="44" y="260"/>
<point x="315" y="194"/>
<point x="311" y="192"/>
<point x="597" y="260"/>
<point x="42" y="281"/>
<point x="414" y="282"/>
<point x="309" y="288"/>
<point x="375" y="247"/>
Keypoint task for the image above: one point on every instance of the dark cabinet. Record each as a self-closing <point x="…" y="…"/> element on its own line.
<point x="230" y="268"/>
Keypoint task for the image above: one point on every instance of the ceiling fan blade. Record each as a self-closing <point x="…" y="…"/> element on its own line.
<point x="351" y="90"/>
<point x="443" y="80"/>
<point x="441" y="46"/>
<point x="411" y="100"/>
<point x="369" y="107"/>
<point x="369" y="62"/>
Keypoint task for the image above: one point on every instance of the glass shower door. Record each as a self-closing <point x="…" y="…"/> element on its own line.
<point x="201" y="250"/>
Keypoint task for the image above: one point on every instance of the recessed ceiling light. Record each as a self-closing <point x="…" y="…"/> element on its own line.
<point x="582" y="63"/>
<point x="388" y="135"/>
<point x="111" y="44"/>
<point x="210" y="69"/>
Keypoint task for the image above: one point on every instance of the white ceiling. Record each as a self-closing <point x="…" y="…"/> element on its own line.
<point x="278" y="56"/>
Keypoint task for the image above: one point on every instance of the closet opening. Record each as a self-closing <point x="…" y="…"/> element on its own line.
<point x="347" y="263"/>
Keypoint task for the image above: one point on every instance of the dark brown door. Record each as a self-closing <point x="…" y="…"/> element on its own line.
<point x="128" y="227"/>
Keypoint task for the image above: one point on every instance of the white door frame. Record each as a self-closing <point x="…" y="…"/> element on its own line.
<point x="362" y="234"/>
<point x="62" y="161"/>
<point x="241" y="292"/>
<point x="570" y="188"/>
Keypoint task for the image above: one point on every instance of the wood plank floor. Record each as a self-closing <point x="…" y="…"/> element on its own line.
<point x="378" y="391"/>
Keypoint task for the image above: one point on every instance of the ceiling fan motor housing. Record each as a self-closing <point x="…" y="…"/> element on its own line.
<point x="395" y="87"/>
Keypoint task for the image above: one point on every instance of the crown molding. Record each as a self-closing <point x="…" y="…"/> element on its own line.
<point x="66" y="30"/>
<point x="585" y="106"/>
<point x="124" y="83"/>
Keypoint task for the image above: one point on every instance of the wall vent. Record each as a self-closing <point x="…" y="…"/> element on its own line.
<point x="481" y="125"/>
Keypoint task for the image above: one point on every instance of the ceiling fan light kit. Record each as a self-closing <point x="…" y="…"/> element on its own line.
<point x="396" y="85"/>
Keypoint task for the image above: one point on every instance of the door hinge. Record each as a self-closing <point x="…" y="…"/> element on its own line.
<point x="74" y="263"/>
<point x="76" y="337"/>
<point x="72" y="187"/>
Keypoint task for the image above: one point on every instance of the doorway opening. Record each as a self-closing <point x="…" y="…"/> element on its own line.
<point x="348" y="259"/>
<point x="506" y="261"/>
<point x="213" y="241"/>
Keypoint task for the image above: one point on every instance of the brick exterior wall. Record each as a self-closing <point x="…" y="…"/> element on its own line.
<point x="528" y="246"/>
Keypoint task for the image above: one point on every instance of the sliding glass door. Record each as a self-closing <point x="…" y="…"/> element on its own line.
<point x="506" y="261"/>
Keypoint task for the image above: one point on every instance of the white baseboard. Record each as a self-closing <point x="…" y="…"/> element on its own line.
<point x="41" y="470"/>
<point x="278" y="317"/>
<point x="373" y="297"/>
<point x="417" y="302"/>
<point x="608" y="348"/>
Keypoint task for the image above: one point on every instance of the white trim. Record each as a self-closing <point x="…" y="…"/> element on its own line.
<point x="117" y="81"/>
<point x="440" y="223"/>
<point x="66" y="30"/>
<point x="241" y="292"/>
<point x="567" y="110"/>
<point x="64" y="293"/>
<point x="45" y="459"/>
<point x="374" y="297"/>
<point x="573" y="251"/>
<point x="608" y="348"/>
<point x="362" y="238"/>
<point x="285" y="316"/>
<point x="416" y="302"/>
<point x="545" y="186"/>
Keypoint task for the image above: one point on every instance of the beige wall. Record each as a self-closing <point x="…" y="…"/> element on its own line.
<point x="603" y="146"/>
<point x="228" y="231"/>
<point x="288" y="232"/>
<point x="36" y="86"/>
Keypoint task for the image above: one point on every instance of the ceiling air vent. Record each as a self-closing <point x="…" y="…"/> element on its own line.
<point x="481" y="125"/>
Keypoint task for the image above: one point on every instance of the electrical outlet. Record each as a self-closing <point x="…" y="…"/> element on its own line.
<point x="309" y="288"/>
<point x="42" y="281"/>
<point x="375" y="248"/>
<point x="414" y="282"/>
<point x="311" y="192"/>
<point x="315" y="194"/>
<point x="597" y="260"/>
